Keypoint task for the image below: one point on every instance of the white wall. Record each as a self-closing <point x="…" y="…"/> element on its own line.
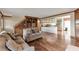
<point x="77" y="21"/>
<point x="72" y="24"/>
<point x="10" y="22"/>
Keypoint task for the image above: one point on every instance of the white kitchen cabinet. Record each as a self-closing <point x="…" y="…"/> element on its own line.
<point x="49" y="29"/>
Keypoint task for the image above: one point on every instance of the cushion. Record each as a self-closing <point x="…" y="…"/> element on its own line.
<point x="2" y="32"/>
<point x="12" y="35"/>
<point x="13" y="46"/>
<point x="7" y="36"/>
<point x="19" y="40"/>
<point x="2" y="42"/>
<point x="33" y="31"/>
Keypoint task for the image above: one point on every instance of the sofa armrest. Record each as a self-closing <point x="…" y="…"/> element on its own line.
<point x="29" y="49"/>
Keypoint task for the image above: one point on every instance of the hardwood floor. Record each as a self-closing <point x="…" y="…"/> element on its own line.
<point x="77" y="42"/>
<point x="49" y="42"/>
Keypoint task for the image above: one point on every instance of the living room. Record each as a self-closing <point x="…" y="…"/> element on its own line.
<point x="38" y="29"/>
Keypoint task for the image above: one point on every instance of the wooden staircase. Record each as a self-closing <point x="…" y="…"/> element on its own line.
<point x="28" y="22"/>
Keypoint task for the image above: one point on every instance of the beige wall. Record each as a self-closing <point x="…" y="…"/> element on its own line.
<point x="10" y="22"/>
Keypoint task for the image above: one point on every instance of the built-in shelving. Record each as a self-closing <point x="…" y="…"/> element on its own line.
<point x="28" y="22"/>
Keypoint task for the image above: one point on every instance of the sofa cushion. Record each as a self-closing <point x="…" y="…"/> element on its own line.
<point x="12" y="36"/>
<point x="19" y="40"/>
<point x="33" y="31"/>
<point x="2" y="43"/>
<point x="13" y="46"/>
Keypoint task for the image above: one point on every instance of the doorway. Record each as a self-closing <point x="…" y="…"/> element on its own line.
<point x="67" y="29"/>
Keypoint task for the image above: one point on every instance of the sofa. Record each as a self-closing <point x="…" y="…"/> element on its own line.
<point x="34" y="36"/>
<point x="31" y="34"/>
<point x="10" y="42"/>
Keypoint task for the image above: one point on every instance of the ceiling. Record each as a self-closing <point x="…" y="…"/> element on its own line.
<point x="36" y="12"/>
